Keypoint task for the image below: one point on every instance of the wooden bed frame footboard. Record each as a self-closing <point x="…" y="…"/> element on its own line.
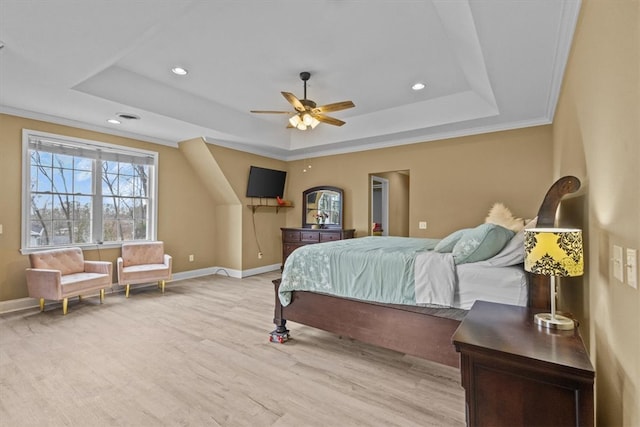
<point x="407" y="329"/>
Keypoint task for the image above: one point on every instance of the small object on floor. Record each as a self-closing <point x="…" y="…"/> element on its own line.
<point x="279" y="337"/>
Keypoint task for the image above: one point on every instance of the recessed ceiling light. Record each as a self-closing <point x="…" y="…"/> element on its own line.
<point x="179" y="71"/>
<point x="113" y="121"/>
<point x="418" y="86"/>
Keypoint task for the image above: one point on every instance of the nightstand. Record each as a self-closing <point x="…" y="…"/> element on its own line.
<point x="515" y="372"/>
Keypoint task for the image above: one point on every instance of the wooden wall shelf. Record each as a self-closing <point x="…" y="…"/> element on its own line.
<point x="254" y="208"/>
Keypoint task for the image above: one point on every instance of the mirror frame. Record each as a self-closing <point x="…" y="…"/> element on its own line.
<point x="321" y="188"/>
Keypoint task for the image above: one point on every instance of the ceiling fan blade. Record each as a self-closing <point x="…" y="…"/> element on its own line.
<point x="293" y="101"/>
<point x="329" y="120"/>
<point x="336" y="106"/>
<point x="270" y="112"/>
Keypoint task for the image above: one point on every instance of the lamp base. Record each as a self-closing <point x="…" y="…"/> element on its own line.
<point x="558" y="321"/>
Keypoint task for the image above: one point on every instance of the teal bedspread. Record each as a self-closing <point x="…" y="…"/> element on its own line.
<point x="374" y="268"/>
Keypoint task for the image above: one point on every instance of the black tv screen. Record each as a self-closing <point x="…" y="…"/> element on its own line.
<point x="267" y="183"/>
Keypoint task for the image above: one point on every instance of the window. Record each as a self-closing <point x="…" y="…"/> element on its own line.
<point x="79" y="192"/>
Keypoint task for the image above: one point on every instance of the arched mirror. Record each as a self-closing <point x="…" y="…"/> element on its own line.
<point x="322" y="207"/>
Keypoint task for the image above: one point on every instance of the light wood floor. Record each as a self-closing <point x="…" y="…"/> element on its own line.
<point x="199" y="355"/>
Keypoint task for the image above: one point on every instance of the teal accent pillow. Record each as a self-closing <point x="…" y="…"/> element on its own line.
<point x="481" y="243"/>
<point x="447" y="244"/>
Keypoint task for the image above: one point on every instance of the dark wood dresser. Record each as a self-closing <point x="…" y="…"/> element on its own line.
<point x="516" y="373"/>
<point x="293" y="238"/>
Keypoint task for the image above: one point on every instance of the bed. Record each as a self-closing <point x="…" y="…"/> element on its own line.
<point x="420" y="330"/>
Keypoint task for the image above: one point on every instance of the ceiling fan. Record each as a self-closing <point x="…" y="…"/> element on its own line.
<point x="307" y="114"/>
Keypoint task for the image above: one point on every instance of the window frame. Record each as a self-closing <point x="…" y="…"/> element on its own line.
<point x="95" y="148"/>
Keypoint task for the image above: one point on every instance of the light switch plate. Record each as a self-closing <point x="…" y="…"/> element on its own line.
<point x="632" y="268"/>
<point x="422" y="225"/>
<point x="618" y="271"/>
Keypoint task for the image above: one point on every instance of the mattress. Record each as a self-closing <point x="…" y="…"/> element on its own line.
<point x="505" y="285"/>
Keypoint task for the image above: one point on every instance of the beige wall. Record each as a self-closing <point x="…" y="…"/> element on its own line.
<point x="452" y="183"/>
<point x="228" y="214"/>
<point x="185" y="218"/>
<point x="399" y="204"/>
<point x="235" y="166"/>
<point x="596" y="136"/>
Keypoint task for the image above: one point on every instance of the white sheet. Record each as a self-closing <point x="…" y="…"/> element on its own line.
<point x="438" y="281"/>
<point x="435" y="278"/>
<point x="506" y="285"/>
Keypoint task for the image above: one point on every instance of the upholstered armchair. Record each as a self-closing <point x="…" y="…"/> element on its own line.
<point x="59" y="274"/>
<point x="143" y="262"/>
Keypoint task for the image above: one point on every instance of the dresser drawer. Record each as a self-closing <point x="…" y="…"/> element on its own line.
<point x="291" y="236"/>
<point x="287" y="248"/>
<point x="310" y="236"/>
<point x="329" y="237"/>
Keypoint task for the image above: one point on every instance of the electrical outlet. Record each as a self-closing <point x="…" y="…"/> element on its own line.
<point x="618" y="272"/>
<point x="192" y="258"/>
<point x="632" y="268"/>
<point x="422" y="225"/>
<point x="259" y="255"/>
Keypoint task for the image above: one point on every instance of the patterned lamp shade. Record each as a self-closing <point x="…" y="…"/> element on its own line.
<point x="553" y="251"/>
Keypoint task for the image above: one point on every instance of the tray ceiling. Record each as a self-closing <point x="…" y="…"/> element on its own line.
<point x="488" y="65"/>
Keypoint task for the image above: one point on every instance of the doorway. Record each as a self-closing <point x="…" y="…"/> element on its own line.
<point x="379" y="206"/>
<point x="389" y="202"/>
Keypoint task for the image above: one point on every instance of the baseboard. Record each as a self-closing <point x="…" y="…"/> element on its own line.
<point x="28" y="303"/>
<point x="229" y="272"/>
<point x="260" y="270"/>
<point x="17" y="304"/>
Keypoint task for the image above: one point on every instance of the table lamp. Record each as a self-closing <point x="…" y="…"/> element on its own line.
<point x="554" y="252"/>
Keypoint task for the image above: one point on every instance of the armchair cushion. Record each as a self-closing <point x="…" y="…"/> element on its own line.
<point x="67" y="260"/>
<point x="75" y="284"/>
<point x="142" y="253"/>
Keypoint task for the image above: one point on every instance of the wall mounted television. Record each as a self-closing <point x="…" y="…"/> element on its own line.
<point x="266" y="183"/>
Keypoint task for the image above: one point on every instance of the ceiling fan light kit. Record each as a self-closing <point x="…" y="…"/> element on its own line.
<point x="307" y="114"/>
<point x="302" y="121"/>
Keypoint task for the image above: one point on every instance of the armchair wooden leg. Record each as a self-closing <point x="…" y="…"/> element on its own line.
<point x="65" y="305"/>
<point x="126" y="291"/>
<point x="162" y="285"/>
<point x="101" y="296"/>
<point x="41" y="304"/>
<point x="79" y="298"/>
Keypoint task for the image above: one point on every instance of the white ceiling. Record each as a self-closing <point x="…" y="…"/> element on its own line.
<point x="488" y="65"/>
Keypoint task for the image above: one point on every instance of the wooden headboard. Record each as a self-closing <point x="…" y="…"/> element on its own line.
<point x="539" y="285"/>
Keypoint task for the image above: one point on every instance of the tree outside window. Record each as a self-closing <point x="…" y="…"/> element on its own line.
<point x="83" y="192"/>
